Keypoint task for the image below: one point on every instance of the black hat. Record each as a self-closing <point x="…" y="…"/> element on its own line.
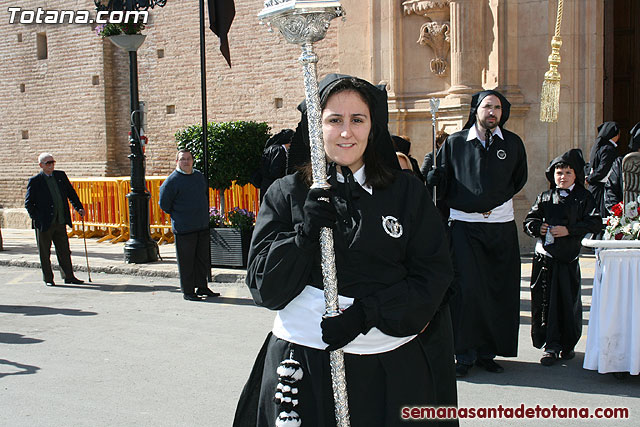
<point x="573" y="158"/>
<point x="477" y="99"/>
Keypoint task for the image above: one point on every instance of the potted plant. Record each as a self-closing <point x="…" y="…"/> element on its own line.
<point x="230" y="236"/>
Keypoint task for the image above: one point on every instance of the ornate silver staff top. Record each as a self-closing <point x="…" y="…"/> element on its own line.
<point x="304" y="22"/>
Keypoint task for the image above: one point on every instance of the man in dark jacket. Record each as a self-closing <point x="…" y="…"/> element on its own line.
<point x="47" y="203"/>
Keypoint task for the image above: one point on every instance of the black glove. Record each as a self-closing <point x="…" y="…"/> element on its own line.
<point x="435" y="176"/>
<point x="340" y="330"/>
<point x="317" y="214"/>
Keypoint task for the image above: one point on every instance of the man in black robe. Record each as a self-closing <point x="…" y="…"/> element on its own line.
<point x="479" y="171"/>
<point x="559" y="218"/>
<point x="273" y="164"/>
<point x="613" y="187"/>
<point x="603" y="153"/>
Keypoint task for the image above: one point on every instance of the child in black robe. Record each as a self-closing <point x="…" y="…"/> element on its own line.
<point x="559" y="218"/>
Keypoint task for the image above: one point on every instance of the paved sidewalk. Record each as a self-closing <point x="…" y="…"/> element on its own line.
<point x="20" y="250"/>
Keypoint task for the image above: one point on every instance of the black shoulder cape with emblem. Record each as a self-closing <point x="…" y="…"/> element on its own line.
<point x="479" y="179"/>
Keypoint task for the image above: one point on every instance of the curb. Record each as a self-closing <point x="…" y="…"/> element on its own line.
<point x="229" y="278"/>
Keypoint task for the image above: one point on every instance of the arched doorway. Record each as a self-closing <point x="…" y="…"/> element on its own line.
<point x="621" y="96"/>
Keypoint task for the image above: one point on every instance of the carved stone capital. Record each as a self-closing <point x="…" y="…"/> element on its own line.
<point x="436" y="36"/>
<point x="300" y="21"/>
<point x="435" y="10"/>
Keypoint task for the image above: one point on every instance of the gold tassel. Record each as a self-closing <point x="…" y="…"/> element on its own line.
<point x="550" y="96"/>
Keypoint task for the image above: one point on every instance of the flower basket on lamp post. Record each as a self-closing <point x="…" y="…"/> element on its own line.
<point x="128" y="42"/>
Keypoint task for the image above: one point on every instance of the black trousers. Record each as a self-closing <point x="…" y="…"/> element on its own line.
<point x="57" y="234"/>
<point x="192" y="253"/>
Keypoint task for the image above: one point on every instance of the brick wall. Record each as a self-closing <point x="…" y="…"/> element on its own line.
<point x="85" y="125"/>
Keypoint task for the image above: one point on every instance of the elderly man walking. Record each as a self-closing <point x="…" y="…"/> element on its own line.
<point x="46" y="201"/>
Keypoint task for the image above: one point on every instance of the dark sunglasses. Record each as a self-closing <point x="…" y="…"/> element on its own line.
<point x="50" y="162"/>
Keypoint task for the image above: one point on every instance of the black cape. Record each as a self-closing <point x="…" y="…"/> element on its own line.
<point x="478" y="179"/>
<point x="603" y="154"/>
<point x="613" y="187"/>
<point x="401" y="283"/>
<point x="556" y="308"/>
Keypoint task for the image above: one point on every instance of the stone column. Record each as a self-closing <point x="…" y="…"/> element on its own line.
<point x="467" y="51"/>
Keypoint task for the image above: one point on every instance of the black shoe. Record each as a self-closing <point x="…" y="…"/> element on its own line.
<point x="489" y="365"/>
<point x="462" y="370"/>
<point x="50" y="283"/>
<point x="191" y="297"/>
<point x="567" y="355"/>
<point x="74" y="280"/>
<point x="549" y="358"/>
<point x="206" y="292"/>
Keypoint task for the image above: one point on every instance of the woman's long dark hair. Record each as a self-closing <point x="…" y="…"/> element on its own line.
<point x="378" y="173"/>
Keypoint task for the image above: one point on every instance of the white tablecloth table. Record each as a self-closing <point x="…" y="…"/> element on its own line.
<point x="613" y="337"/>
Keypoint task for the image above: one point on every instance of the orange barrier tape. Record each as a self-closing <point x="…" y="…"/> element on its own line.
<point x="107" y="208"/>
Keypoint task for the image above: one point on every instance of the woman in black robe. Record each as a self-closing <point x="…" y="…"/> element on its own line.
<point x="603" y="154"/>
<point x="556" y="307"/>
<point x="393" y="269"/>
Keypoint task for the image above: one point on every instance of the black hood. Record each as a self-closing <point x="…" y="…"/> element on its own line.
<point x="280" y="138"/>
<point x="606" y="131"/>
<point x="299" y="153"/>
<point x="634" y="141"/>
<point x="573" y="158"/>
<point x="401" y="144"/>
<point x="477" y="99"/>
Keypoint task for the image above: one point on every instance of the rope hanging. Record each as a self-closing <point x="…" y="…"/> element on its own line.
<point x="550" y="96"/>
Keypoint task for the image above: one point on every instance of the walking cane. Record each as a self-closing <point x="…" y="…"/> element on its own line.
<point x="303" y="23"/>
<point x="434" y="103"/>
<point x="85" y="248"/>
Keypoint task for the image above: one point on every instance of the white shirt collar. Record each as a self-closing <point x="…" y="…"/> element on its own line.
<point x="567" y="190"/>
<point x="360" y="179"/>
<point x="473" y="133"/>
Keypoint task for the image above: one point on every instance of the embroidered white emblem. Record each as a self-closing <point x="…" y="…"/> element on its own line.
<point x="391" y="226"/>
<point x="502" y="154"/>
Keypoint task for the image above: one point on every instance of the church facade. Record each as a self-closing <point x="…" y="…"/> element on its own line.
<point x="65" y="90"/>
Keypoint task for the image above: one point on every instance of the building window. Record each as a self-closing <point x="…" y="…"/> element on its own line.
<point x="25" y="134"/>
<point x="19" y="37"/>
<point x="171" y="109"/>
<point x="42" y="45"/>
<point x="22" y="87"/>
<point x="95" y="80"/>
<point x="278" y="102"/>
<point x="160" y="53"/>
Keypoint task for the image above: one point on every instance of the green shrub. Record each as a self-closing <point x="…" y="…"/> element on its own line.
<point x="235" y="150"/>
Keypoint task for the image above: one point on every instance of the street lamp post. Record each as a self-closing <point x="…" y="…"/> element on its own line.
<point x="140" y="248"/>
